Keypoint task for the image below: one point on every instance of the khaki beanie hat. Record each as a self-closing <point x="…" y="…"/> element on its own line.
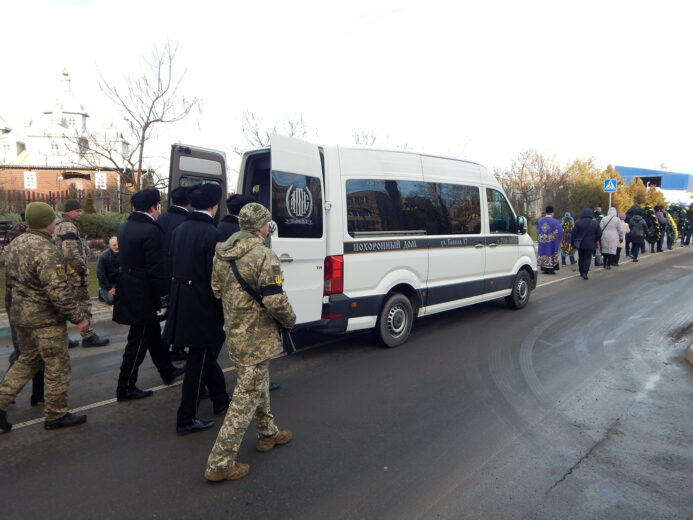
<point x="39" y="215"/>
<point x="253" y="216"/>
<point x="71" y="205"/>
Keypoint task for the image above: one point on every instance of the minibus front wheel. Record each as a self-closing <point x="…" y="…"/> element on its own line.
<point x="394" y="321"/>
<point x="522" y="286"/>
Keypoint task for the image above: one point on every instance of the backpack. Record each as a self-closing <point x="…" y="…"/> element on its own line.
<point x="637" y="233"/>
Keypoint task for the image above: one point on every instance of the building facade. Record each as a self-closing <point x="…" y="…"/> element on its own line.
<point x="53" y="153"/>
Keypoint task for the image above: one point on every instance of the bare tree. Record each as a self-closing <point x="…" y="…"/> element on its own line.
<point x="531" y="179"/>
<point x="146" y="99"/>
<point x="365" y="137"/>
<point x="258" y="136"/>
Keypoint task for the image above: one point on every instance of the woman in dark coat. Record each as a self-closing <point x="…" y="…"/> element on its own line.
<point x="586" y="233"/>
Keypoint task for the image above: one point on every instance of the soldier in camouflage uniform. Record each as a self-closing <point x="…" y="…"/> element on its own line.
<point x="41" y="303"/>
<point x="37" y="381"/>
<point x="252" y="337"/>
<point x="69" y="243"/>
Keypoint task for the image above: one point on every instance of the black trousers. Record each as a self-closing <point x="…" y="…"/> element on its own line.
<point x="142" y="339"/>
<point x="201" y="369"/>
<point x="585" y="260"/>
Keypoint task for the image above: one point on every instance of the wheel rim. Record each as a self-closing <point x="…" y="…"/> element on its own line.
<point x="522" y="289"/>
<point x="397" y="320"/>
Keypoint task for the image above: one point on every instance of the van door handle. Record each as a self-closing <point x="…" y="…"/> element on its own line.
<point x="285" y="258"/>
<point x="492" y="244"/>
<point x="479" y="245"/>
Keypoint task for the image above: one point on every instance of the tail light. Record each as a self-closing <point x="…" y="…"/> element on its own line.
<point x="334" y="275"/>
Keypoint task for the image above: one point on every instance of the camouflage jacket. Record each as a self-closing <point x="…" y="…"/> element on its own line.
<point x="15" y="231"/>
<point x="69" y="243"/>
<point x="36" y="276"/>
<point x="252" y="335"/>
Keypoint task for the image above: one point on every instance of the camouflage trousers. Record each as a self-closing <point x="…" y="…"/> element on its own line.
<point x="251" y="401"/>
<point x="40" y="348"/>
<point x="81" y="293"/>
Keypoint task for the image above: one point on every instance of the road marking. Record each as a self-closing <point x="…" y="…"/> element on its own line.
<point x="682" y="266"/>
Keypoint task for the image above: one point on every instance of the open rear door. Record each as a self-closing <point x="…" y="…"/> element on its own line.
<point x="297" y="194"/>
<point x="192" y="165"/>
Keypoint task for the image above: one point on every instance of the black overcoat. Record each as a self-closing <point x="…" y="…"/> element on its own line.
<point x="195" y="316"/>
<point x="228" y="226"/>
<point x="174" y="217"/>
<point x="142" y="282"/>
<point x="587" y="229"/>
<point x="108" y="269"/>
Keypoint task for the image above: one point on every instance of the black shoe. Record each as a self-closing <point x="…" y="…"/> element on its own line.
<point x="221" y="408"/>
<point x="137" y="393"/>
<point x="95" y="341"/>
<point x="274" y="386"/>
<point x="34" y="400"/>
<point x="177" y="372"/>
<point x="197" y="425"/>
<point x="5" y="425"/>
<point x="66" y="420"/>
<point x="635" y="259"/>
<point x="584" y="277"/>
<point x="72" y="343"/>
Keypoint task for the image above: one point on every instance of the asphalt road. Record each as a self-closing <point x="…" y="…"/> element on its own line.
<point x="576" y="407"/>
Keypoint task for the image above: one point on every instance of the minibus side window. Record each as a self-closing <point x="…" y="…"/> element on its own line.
<point x="461" y="209"/>
<point x="391" y="206"/>
<point x="500" y="216"/>
<point x="297" y="205"/>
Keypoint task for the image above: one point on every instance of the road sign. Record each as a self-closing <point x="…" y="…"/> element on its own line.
<point x="609" y="185"/>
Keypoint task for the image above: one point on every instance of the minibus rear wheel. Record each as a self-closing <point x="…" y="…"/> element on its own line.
<point x="394" y="321"/>
<point x="521" y="288"/>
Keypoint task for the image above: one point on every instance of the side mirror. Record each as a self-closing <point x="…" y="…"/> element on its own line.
<point x="521" y="225"/>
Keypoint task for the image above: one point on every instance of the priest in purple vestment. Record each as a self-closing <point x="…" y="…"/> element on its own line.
<point x="549" y="235"/>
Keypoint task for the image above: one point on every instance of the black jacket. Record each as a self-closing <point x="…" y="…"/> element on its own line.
<point x="587" y="230"/>
<point x="169" y="221"/>
<point x="142" y="283"/>
<point x="108" y="269"/>
<point x="634" y="210"/>
<point x="228" y="226"/>
<point x="195" y="316"/>
<point x="638" y="222"/>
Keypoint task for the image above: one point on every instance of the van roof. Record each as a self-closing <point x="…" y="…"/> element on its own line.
<point x="413" y="152"/>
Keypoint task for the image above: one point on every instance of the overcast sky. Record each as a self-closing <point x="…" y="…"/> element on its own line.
<point x="481" y="80"/>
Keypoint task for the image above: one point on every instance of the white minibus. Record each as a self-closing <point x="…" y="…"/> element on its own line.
<point x="372" y="239"/>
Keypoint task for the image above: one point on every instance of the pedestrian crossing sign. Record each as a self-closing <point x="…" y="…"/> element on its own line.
<point x="609" y="185"/>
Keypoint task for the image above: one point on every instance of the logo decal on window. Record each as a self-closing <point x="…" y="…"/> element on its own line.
<point x="299" y="205"/>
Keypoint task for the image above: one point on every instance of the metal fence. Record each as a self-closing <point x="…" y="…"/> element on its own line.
<point x="117" y="201"/>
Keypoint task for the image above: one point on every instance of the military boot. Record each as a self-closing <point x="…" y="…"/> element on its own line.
<point x="66" y="420"/>
<point x="267" y="443"/>
<point x="235" y="472"/>
<point x="95" y="341"/>
<point x="5" y="425"/>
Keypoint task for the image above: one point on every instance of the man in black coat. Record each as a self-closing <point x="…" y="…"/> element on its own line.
<point x="107" y="271"/>
<point x="169" y="221"/>
<point x="586" y="234"/>
<point x="196" y="317"/>
<point x="142" y="291"/>
<point x="229" y="224"/>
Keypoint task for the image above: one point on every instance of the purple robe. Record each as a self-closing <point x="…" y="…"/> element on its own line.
<point x="549" y="235"/>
